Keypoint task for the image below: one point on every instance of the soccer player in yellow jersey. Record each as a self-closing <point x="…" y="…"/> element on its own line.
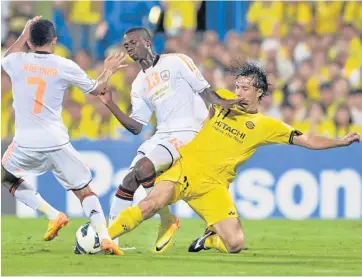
<point x="208" y="164"/>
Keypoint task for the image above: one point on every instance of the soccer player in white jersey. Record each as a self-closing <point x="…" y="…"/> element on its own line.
<point x="41" y="143"/>
<point x="172" y="87"/>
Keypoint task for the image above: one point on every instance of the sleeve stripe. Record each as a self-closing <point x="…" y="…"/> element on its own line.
<point x="205" y="87"/>
<point x="140" y="121"/>
<point x="291" y="137"/>
<point x="192" y="68"/>
<point x="293" y="134"/>
<point x="92" y="88"/>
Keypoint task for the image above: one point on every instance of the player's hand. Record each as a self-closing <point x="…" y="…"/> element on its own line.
<point x="115" y="62"/>
<point x="230" y="103"/>
<point x="26" y="31"/>
<point x="106" y="96"/>
<point x="351" y="138"/>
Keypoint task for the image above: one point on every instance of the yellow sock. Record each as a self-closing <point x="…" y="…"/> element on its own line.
<point x="215" y="242"/>
<point x="125" y="221"/>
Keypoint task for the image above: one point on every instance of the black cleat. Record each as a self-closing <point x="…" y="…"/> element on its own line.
<point x="199" y="244"/>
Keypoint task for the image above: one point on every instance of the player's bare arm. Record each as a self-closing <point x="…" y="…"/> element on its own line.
<point x="320" y="142"/>
<point x="210" y="96"/>
<point x="20" y="44"/>
<point x="139" y="49"/>
<point x="130" y="124"/>
<point x="112" y="64"/>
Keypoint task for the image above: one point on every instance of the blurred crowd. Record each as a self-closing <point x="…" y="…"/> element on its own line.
<point x="311" y="50"/>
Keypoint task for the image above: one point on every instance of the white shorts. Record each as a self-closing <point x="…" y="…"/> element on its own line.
<point x="162" y="149"/>
<point x="65" y="163"/>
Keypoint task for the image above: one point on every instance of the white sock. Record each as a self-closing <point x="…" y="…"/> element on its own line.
<point x="26" y="194"/>
<point x="118" y="205"/>
<point x="93" y="209"/>
<point x="148" y="190"/>
<point x="165" y="213"/>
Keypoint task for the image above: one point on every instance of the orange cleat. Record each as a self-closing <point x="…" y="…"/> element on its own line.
<point x="55" y="225"/>
<point x="110" y="248"/>
<point x="166" y="234"/>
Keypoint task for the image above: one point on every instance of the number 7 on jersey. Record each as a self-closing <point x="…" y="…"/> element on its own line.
<point x="39" y="94"/>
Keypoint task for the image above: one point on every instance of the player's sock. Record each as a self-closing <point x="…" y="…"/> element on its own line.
<point x="122" y="200"/>
<point x="165" y="214"/>
<point x="93" y="209"/>
<point x="215" y="242"/>
<point x="126" y="221"/>
<point x="45" y="208"/>
<point x="26" y="194"/>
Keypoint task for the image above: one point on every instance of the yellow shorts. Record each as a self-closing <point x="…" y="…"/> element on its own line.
<point x="207" y="197"/>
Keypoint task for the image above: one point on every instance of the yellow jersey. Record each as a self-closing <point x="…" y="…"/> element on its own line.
<point x="353" y="13"/>
<point x="230" y="138"/>
<point x="266" y="15"/>
<point x="185" y="10"/>
<point x="327" y="14"/>
<point x="85" y="12"/>
<point x="331" y="130"/>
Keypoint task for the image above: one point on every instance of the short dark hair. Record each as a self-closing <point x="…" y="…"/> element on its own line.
<point x="251" y="69"/>
<point x="145" y="34"/>
<point x="42" y="32"/>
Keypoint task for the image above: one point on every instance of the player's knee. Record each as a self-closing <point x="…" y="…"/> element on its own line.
<point x="145" y="172"/>
<point x="129" y="182"/>
<point x="235" y="244"/>
<point x="7" y="179"/>
<point x="144" y="168"/>
<point x="83" y="193"/>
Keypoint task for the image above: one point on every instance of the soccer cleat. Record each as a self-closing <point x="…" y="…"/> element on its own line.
<point x="199" y="244"/>
<point x="55" y="225"/>
<point x="110" y="248"/>
<point x="165" y="235"/>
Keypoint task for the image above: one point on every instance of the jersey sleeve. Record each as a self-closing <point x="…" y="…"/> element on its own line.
<point x="227" y="94"/>
<point x="75" y="76"/>
<point x="10" y="64"/>
<point x="141" y="112"/>
<point x="280" y="132"/>
<point x="191" y="73"/>
<point x="224" y="93"/>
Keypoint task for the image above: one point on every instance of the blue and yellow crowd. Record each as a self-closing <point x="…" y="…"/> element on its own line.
<point x="311" y="50"/>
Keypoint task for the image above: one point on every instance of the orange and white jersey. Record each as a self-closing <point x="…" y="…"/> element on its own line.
<point x="170" y="88"/>
<point x="39" y="81"/>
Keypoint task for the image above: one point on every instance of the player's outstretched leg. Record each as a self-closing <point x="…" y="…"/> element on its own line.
<point x="93" y="209"/>
<point x="145" y="171"/>
<point x="26" y="194"/>
<point x="227" y="237"/>
<point x="123" y="197"/>
<point x="131" y="217"/>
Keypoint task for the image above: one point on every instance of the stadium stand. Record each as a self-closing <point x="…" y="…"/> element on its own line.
<point x="312" y="51"/>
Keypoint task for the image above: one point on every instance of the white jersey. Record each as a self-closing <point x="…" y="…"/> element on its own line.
<point x="39" y="81"/>
<point x="170" y="88"/>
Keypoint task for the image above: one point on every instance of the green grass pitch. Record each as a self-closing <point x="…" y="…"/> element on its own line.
<point x="276" y="247"/>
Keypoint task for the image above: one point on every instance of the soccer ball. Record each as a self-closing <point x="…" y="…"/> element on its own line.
<point x="86" y="240"/>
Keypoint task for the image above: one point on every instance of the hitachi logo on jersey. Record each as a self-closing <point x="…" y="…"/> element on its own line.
<point x="227" y="128"/>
